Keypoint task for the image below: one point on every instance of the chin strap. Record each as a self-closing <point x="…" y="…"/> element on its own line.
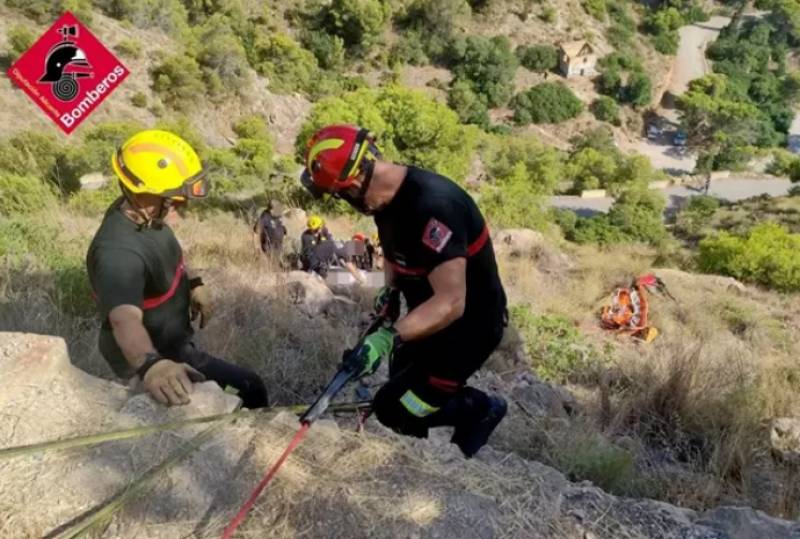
<point x="147" y="220"/>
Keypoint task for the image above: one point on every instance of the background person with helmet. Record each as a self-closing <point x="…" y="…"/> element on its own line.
<point x="314" y="234"/>
<point x="269" y="230"/>
<point x="144" y="293"/>
<point x="438" y="254"/>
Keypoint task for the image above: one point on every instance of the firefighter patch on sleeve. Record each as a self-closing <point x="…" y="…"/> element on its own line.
<point x="436" y="235"/>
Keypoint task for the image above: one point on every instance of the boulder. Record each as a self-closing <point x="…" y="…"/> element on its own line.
<point x="747" y="523"/>
<point x="307" y="291"/>
<point x="518" y="242"/>
<point x="530" y="244"/>
<point x="294" y="219"/>
<point x="95" y="180"/>
<point x="784" y="438"/>
<point x="48" y="399"/>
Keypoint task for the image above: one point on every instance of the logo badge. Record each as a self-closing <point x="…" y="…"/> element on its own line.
<point x="68" y="72"/>
<point x="436" y="235"/>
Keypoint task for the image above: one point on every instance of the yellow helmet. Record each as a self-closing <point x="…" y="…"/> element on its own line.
<point x="315" y="222"/>
<point x="160" y="163"/>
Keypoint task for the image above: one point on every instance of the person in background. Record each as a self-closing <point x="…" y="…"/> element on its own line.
<point x="269" y="230"/>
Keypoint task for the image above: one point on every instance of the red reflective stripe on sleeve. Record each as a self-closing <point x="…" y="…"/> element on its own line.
<point x="152" y="303"/>
<point x="476" y="246"/>
<point x="448" y="386"/>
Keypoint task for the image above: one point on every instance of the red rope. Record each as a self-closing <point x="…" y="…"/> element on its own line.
<point x="248" y="505"/>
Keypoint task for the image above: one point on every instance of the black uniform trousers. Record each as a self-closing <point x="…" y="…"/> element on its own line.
<point x="427" y="380"/>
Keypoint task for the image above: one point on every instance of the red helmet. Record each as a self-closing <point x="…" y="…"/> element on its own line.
<point x="334" y="156"/>
<point x="358" y="236"/>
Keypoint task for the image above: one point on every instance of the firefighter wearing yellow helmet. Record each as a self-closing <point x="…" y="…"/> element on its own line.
<point x="314" y="234"/>
<point x="146" y="296"/>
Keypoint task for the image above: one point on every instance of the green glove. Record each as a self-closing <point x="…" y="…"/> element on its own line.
<point x="387" y="303"/>
<point x="375" y="348"/>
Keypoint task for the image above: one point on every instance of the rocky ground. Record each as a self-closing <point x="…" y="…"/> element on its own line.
<point x="338" y="484"/>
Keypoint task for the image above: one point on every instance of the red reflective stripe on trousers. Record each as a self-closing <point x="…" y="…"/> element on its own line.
<point x="448" y="386"/>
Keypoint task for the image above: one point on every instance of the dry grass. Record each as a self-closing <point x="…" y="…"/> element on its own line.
<point x="691" y="408"/>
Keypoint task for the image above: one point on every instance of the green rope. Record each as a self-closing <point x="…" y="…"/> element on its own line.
<point x="137" y="432"/>
<point x="119" y="500"/>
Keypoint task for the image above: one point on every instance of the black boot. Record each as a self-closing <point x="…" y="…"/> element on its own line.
<point x="472" y="435"/>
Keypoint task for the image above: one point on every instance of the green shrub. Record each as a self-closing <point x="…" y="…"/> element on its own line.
<point x="409" y="125"/>
<point x="329" y="50"/>
<point x="639" y="90"/>
<point x="357" y="22"/>
<point x="409" y="49"/>
<point x="488" y="64"/>
<point x="548" y="14"/>
<point x="592" y="169"/>
<point x="664" y="25"/>
<point x="696" y="215"/>
<point x="595" y="8"/>
<point x="767" y="255"/>
<point x="639" y="214"/>
<point x="606" y="109"/>
<point x="31" y="153"/>
<point x="288" y="66"/>
<point x="593" y="458"/>
<point x="178" y="80"/>
<point x="139" y="99"/>
<point x="538" y="57"/>
<point x="24" y="194"/>
<point x="610" y="83"/>
<point x="470" y="107"/>
<point x="20" y="38"/>
<point x="254" y="146"/>
<point x="556" y="347"/>
<point x="636" y="217"/>
<point x="435" y="23"/>
<point x="94" y="152"/>
<point x="541" y="165"/>
<point x="129" y="47"/>
<point x="522" y="173"/>
<point x="221" y="56"/>
<point x="548" y="102"/>
<point x="167" y="15"/>
<point x="46" y="11"/>
<point x="94" y="202"/>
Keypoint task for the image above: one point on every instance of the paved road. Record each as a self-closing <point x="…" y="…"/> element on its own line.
<point x="690" y="61"/>
<point x="690" y="64"/>
<point x="731" y="190"/>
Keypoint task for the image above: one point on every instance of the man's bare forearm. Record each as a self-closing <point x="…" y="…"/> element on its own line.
<point x="130" y="334"/>
<point x="428" y="318"/>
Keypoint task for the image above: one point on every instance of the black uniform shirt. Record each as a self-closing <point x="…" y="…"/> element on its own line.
<point x="129" y="265"/>
<point x="431" y="220"/>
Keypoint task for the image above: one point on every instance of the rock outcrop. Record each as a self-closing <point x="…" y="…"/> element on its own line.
<point x="337" y="484"/>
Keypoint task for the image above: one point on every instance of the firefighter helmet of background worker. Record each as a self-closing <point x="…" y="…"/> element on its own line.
<point x="160" y="163"/>
<point x="315" y="222"/>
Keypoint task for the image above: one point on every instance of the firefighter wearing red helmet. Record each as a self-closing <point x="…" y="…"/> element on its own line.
<point x="439" y="256"/>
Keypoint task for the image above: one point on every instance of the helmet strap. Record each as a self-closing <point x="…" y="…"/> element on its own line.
<point x="147" y="221"/>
